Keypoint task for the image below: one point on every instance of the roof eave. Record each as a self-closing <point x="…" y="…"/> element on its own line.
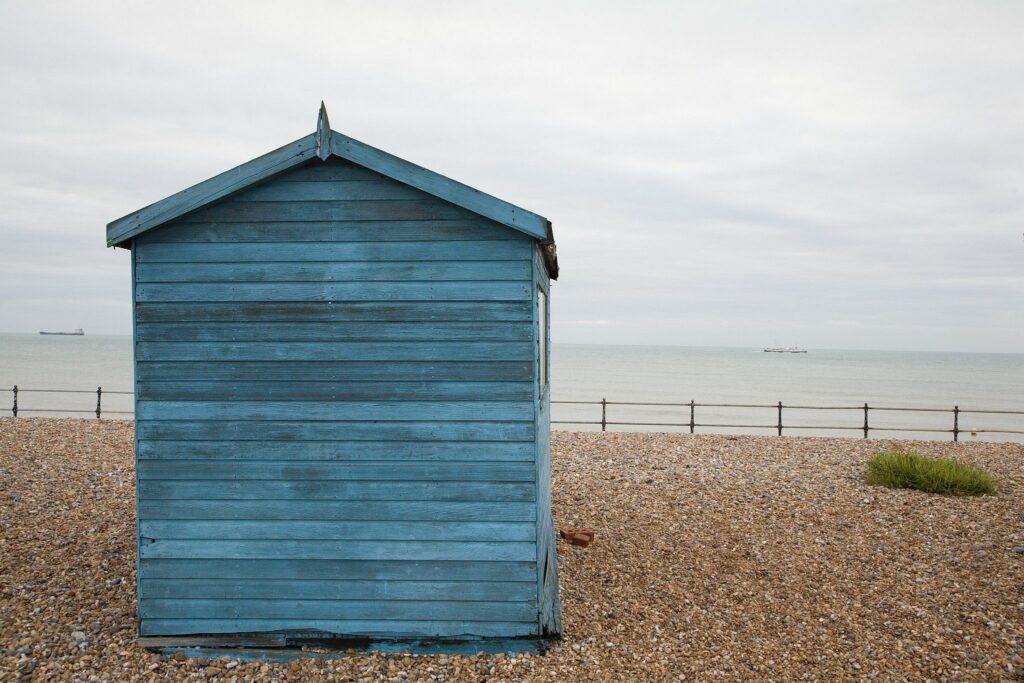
<point x="212" y="189"/>
<point x="453" y="191"/>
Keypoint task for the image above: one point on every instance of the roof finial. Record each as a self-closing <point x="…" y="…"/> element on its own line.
<point x="323" y="133"/>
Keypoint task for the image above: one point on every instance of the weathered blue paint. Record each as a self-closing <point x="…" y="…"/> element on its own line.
<point x="339" y="570"/>
<point x="330" y="311"/>
<point x="227" y="589"/>
<point x="339" y="426"/>
<point x="386" y="250"/>
<point x="340" y="531"/>
<point x="547" y="560"/>
<point x="297" y="430"/>
<point x="326" y="272"/>
<point x="499" y="471"/>
<point x="311" y="627"/>
<point x="358" y="331"/>
<point x="336" y="490"/>
<point x="333" y="231"/>
<point x="334" y="450"/>
<point x="336" y="391"/>
<point x="339" y="371"/>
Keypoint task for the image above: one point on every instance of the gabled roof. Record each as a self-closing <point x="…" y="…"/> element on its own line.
<point x="323" y="144"/>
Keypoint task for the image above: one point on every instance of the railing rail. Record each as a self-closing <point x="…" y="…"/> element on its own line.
<point x="604" y="423"/>
<point x="779" y="426"/>
<point x="98" y="393"/>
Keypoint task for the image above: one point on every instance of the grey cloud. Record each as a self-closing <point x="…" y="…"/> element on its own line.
<point x="839" y="174"/>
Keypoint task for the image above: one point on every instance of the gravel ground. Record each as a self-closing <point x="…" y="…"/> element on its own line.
<point x="717" y="558"/>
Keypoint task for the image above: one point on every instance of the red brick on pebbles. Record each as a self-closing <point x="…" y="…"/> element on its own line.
<point x="581" y="536"/>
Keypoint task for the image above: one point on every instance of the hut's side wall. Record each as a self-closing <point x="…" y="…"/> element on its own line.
<point x="336" y="421"/>
<point x="547" y="560"/>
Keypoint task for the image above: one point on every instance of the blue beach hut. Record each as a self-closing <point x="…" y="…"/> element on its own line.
<point x="342" y="405"/>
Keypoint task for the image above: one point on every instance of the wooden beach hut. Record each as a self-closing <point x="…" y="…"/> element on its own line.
<point x="342" y="405"/>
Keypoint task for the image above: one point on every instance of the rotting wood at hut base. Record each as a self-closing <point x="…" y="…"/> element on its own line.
<point x="285" y="648"/>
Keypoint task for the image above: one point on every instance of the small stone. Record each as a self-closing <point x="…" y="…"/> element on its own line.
<point x="180" y="656"/>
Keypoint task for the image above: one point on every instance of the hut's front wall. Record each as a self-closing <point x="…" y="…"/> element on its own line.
<point x="337" y="415"/>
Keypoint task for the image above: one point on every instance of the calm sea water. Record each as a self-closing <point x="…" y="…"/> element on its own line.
<point x="640" y="374"/>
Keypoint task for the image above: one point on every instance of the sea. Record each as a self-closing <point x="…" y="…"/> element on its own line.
<point x="734" y="390"/>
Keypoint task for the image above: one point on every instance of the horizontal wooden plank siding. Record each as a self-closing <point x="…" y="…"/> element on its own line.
<point x="317" y="271"/>
<point x="157" y="608"/>
<point x="335" y="391"/>
<point x="334" y="311"/>
<point x="335" y="410"/>
<point x="332" y="351"/>
<point x="334" y="332"/>
<point x="336" y="371"/>
<point x="161" y="430"/>
<point x="430" y="208"/>
<point x="334" y="231"/>
<point x="339" y="570"/>
<point x="330" y="450"/>
<point x="385" y="511"/>
<point x="335" y="420"/>
<point x="317" y="471"/>
<point x="335" y="490"/>
<point x="340" y="550"/>
<point x="336" y="530"/>
<point x="330" y="190"/>
<point x="404" y="628"/>
<point x="228" y="589"/>
<point x="333" y="170"/>
<point x="264" y="252"/>
<point x="333" y="291"/>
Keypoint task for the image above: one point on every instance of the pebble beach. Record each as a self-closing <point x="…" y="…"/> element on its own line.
<point x="718" y="558"/>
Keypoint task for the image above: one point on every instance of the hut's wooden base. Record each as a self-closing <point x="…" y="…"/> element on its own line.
<point x="282" y="648"/>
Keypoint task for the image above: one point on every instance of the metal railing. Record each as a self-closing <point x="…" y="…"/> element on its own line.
<point x="98" y="411"/>
<point x="604" y="423"/>
<point x="778" y="426"/>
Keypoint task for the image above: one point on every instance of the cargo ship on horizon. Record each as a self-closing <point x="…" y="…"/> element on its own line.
<point x="76" y="333"/>
<point x="785" y="349"/>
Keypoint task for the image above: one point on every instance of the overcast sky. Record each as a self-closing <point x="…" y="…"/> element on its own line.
<point x="845" y="175"/>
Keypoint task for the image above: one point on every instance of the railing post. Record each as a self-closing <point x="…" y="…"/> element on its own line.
<point x="692" y="424"/>
<point x="866" y="421"/>
<point x="14" y="408"/>
<point x="956" y="422"/>
<point x="780" y="418"/>
<point x="604" y="409"/>
<point x="99" y="398"/>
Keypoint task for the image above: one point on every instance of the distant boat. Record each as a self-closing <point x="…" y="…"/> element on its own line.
<point x="77" y="333"/>
<point x="785" y="349"/>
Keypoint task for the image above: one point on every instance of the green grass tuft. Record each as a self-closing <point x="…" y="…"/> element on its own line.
<point x="947" y="476"/>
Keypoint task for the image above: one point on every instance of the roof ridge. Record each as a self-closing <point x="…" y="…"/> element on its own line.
<point x="322" y="144"/>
